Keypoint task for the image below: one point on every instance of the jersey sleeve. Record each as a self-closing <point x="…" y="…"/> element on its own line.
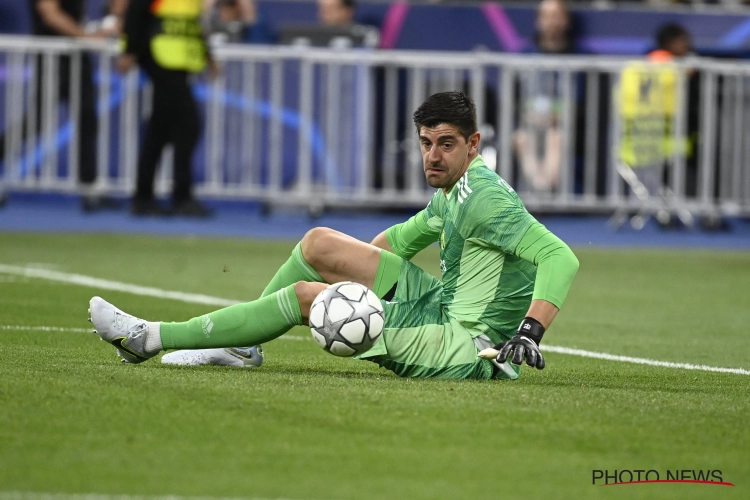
<point x="556" y="263"/>
<point x="410" y="237"/>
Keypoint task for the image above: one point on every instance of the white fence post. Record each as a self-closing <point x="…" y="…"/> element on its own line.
<point x="348" y="103"/>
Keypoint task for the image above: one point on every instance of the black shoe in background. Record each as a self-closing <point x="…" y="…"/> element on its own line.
<point x="147" y="208"/>
<point x="191" y="208"/>
<point x="94" y="203"/>
<point x="714" y="223"/>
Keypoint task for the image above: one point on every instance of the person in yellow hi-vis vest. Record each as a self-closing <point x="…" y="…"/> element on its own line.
<point x="164" y="37"/>
<point x="648" y="92"/>
<point x="648" y="100"/>
<point x="649" y="97"/>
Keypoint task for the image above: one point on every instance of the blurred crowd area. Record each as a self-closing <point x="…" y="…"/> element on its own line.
<point x="284" y="21"/>
<point x="558" y="125"/>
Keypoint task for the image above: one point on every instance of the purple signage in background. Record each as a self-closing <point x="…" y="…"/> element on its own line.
<point x="488" y="25"/>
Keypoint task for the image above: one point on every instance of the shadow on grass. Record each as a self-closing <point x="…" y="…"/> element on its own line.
<point x="373" y="374"/>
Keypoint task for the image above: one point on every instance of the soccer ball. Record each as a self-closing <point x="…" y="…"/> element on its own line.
<point x="346" y="318"/>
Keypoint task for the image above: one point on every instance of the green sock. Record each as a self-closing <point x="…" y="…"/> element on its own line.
<point x="389" y="270"/>
<point x="251" y="323"/>
<point x="293" y="270"/>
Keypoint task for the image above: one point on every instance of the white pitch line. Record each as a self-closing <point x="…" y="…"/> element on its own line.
<point x="102" y="284"/>
<point x="641" y="361"/>
<point x="90" y="330"/>
<point x="546" y="348"/>
<point x="90" y="281"/>
<point x="19" y="495"/>
<point x="45" y="329"/>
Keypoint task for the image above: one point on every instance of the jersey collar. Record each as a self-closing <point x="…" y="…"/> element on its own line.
<point x="476" y="162"/>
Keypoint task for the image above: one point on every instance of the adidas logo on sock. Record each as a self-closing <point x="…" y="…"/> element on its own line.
<point x="207" y="325"/>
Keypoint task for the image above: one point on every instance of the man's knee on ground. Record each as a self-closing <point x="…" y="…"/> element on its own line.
<point x="306" y="293"/>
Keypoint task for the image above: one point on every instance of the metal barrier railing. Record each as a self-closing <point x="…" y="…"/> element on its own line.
<point x="327" y="127"/>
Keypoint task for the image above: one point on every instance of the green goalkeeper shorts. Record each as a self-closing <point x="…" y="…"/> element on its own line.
<point x="419" y="341"/>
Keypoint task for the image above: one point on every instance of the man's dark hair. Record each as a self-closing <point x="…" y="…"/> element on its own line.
<point x="669" y="33"/>
<point x="350" y="4"/>
<point x="452" y="108"/>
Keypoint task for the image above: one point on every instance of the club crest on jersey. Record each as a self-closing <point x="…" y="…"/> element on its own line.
<point x="462" y="188"/>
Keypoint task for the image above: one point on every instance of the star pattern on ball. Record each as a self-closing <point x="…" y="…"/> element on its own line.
<point x="362" y="310"/>
<point x="330" y="329"/>
<point x="352" y="315"/>
<point x="335" y="294"/>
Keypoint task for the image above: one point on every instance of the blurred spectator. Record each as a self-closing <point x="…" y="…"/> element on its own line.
<point x="336" y="12"/>
<point x="166" y="40"/>
<point x="649" y="96"/>
<point x="237" y="21"/>
<point x="538" y="141"/>
<point x="341" y="14"/>
<point x="672" y="40"/>
<point x="66" y="18"/>
<point x="336" y="27"/>
<point x="554" y="29"/>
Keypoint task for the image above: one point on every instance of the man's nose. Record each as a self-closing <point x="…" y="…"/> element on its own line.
<point x="433" y="155"/>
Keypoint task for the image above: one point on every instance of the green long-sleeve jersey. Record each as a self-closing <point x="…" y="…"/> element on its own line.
<point x="494" y="256"/>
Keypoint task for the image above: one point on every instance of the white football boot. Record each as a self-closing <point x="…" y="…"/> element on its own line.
<point x="230" y="356"/>
<point x="127" y="333"/>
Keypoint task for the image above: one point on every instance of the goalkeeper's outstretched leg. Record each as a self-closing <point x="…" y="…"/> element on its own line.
<point x="250" y="323"/>
<point x="323" y="256"/>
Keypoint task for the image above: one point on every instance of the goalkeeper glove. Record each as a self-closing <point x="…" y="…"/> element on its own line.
<point x="525" y="344"/>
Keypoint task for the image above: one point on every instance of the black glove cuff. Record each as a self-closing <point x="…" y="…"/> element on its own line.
<point x="532" y="329"/>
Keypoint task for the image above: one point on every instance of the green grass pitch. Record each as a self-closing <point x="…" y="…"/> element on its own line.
<point x="308" y="425"/>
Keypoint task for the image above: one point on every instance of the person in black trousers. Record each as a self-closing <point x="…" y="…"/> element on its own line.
<point x="64" y="18"/>
<point x="165" y="38"/>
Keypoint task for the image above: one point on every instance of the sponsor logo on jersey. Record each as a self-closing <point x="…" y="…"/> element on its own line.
<point x="505" y="185"/>
<point x="207" y="325"/>
<point x="462" y="188"/>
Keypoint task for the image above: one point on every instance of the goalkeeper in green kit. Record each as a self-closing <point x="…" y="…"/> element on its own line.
<point x="504" y="276"/>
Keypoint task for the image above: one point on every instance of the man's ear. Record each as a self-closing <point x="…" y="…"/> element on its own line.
<point x="474" y="142"/>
